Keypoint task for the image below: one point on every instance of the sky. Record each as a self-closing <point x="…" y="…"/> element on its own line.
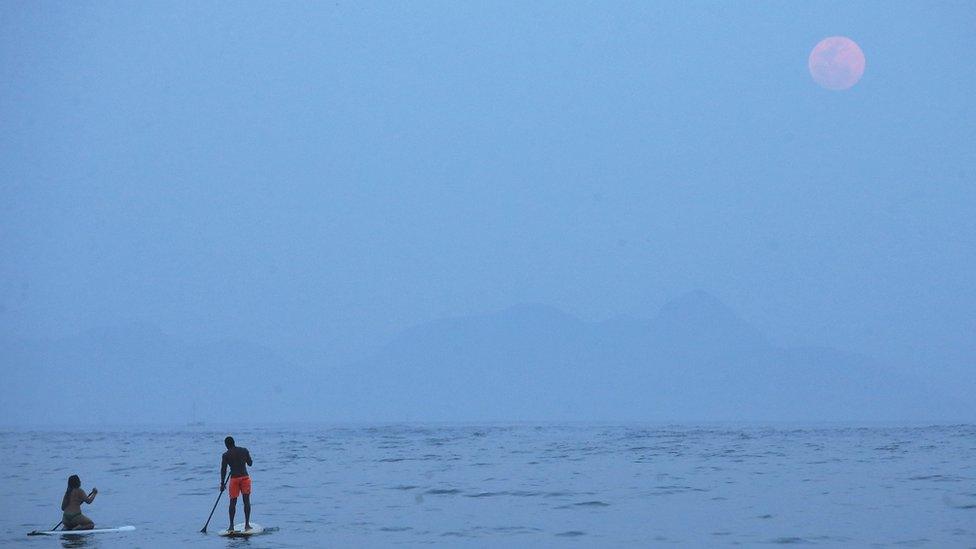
<point x="320" y="176"/>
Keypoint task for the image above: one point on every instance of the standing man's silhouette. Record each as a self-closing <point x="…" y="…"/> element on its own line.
<point x="237" y="458"/>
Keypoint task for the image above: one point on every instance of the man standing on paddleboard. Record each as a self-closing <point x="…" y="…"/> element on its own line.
<point x="237" y="458"/>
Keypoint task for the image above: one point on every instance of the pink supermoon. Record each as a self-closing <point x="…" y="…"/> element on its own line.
<point x="836" y="63"/>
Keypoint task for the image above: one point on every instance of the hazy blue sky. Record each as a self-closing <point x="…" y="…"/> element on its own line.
<point x="318" y="176"/>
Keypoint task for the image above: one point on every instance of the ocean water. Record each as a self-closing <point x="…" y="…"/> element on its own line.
<point x="519" y="485"/>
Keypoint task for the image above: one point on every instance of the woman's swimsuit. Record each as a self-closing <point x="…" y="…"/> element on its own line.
<point x="74" y="519"/>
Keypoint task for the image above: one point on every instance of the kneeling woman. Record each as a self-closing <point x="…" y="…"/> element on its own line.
<point x="74" y="496"/>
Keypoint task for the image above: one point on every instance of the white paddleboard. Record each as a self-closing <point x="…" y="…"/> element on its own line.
<point x="82" y="532"/>
<point x="240" y="532"/>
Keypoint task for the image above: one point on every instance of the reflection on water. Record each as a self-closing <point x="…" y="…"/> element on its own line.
<point x="74" y="541"/>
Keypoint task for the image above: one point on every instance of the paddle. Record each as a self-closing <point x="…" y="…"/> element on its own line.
<point x="53" y="528"/>
<point x="223" y="483"/>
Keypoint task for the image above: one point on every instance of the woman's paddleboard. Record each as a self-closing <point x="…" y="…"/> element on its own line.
<point x="240" y="532"/>
<point x="81" y="532"/>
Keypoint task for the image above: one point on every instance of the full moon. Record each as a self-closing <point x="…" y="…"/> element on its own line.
<point x="836" y="63"/>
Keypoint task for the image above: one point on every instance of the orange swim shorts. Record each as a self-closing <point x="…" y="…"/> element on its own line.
<point x="240" y="485"/>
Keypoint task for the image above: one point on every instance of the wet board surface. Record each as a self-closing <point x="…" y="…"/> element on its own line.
<point x="240" y="532"/>
<point x="82" y="532"/>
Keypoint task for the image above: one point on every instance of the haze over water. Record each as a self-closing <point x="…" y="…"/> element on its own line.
<point x="188" y="190"/>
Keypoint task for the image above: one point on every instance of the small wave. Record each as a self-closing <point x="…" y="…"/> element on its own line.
<point x="913" y="542"/>
<point x="789" y="540"/>
<point x="514" y="530"/>
<point x="952" y="503"/>
<point x="889" y="448"/>
<point x="515" y="493"/>
<point x="571" y="534"/>
<point x="936" y="478"/>
<point x="678" y="488"/>
<point x="591" y="504"/>
<point x="122" y="469"/>
<point x="443" y="491"/>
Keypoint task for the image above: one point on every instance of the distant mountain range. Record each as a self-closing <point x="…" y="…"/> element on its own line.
<point x="695" y="361"/>
<point x="136" y="373"/>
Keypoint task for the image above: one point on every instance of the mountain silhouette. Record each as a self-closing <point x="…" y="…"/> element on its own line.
<point x="695" y="360"/>
<point x="153" y="377"/>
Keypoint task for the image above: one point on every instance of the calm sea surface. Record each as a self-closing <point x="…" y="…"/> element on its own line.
<point x="508" y="485"/>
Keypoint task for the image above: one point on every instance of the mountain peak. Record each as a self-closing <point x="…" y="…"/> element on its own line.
<point x="698" y="318"/>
